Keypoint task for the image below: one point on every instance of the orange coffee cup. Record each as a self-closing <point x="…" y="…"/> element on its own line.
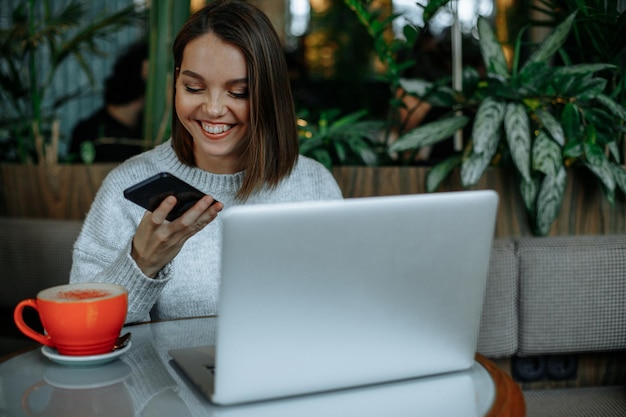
<point x="79" y="319"/>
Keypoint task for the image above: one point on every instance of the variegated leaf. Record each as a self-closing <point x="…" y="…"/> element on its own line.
<point x="491" y="50"/>
<point x="580" y="69"/>
<point x="552" y="125"/>
<point x="487" y="123"/>
<point x="604" y="173"/>
<point x="528" y="190"/>
<point x="549" y="201"/>
<point x="594" y="153"/>
<point x="546" y="155"/>
<point x="517" y="129"/>
<point x="473" y="167"/>
<point x="416" y="86"/>
<point x="552" y="42"/>
<point x="615" y="153"/>
<point x="429" y="134"/>
<point x="619" y="174"/>
<point x="611" y="105"/>
<point x="440" y="172"/>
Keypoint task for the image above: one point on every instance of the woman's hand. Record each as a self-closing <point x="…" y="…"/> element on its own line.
<point x="157" y="241"/>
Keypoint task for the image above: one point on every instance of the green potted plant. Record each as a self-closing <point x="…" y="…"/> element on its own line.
<point x="40" y="39"/>
<point x="538" y="118"/>
<point x="543" y="119"/>
<point x="340" y="140"/>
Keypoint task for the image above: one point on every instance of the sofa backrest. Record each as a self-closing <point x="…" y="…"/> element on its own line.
<point x="34" y="254"/>
<point x="555" y="295"/>
<point x="572" y="294"/>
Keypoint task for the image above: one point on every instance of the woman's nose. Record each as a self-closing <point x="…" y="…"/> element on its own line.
<point x="214" y="105"/>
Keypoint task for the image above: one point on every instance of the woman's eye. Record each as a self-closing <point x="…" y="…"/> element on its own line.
<point x="239" y="94"/>
<point x="192" y="89"/>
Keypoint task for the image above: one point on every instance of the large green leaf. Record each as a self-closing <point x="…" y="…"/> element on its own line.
<point x="552" y="125"/>
<point x="363" y="150"/>
<point x="552" y="42"/>
<point x="416" y="86"/>
<point x="473" y="167"/>
<point x="528" y="190"/>
<point x="434" y="94"/>
<point x="570" y="120"/>
<point x="440" y="172"/>
<point x="605" y="174"/>
<point x="340" y="151"/>
<point x="307" y="145"/>
<point x="614" y="107"/>
<point x="534" y="78"/>
<point x="349" y="119"/>
<point x="546" y="155"/>
<point x="549" y="200"/>
<point x="619" y="174"/>
<point x="487" y="123"/>
<point x="582" y="69"/>
<point x="517" y="129"/>
<point x="429" y="134"/>
<point x="590" y="89"/>
<point x="603" y="120"/>
<point x="615" y="152"/>
<point x="491" y="50"/>
<point x="593" y="152"/>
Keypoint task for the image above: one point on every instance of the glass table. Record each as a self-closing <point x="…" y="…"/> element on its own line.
<point x="143" y="381"/>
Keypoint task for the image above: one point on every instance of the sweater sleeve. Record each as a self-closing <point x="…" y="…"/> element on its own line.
<point x="102" y="250"/>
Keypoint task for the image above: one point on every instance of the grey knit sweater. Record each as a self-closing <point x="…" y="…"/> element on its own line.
<point x="187" y="286"/>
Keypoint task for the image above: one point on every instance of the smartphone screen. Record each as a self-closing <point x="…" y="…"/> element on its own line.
<point x="151" y="192"/>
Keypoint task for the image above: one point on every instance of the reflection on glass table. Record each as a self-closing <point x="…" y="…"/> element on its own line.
<point x="144" y="381"/>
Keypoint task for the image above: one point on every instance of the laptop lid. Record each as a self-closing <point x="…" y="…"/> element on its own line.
<point x="318" y="296"/>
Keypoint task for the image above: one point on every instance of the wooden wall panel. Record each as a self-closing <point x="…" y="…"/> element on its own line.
<point x="66" y="191"/>
<point x="58" y="192"/>
<point x="585" y="210"/>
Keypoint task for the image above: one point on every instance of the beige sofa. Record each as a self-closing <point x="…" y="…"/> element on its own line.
<point x="554" y="315"/>
<point x="555" y="318"/>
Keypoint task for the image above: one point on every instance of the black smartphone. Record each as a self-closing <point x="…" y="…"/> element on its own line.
<point x="151" y="192"/>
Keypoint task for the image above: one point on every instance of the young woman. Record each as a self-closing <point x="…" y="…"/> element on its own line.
<point x="233" y="137"/>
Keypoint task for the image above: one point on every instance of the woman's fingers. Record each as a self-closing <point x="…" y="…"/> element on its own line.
<point x="157" y="241"/>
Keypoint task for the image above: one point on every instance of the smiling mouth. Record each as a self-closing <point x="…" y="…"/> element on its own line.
<point x="215" y="129"/>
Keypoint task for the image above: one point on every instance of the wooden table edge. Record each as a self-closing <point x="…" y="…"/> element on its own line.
<point x="509" y="398"/>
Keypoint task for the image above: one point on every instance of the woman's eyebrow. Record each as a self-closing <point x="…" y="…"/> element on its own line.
<point x="192" y="74"/>
<point x="197" y="76"/>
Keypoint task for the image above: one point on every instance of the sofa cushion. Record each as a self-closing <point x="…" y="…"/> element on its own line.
<point x="556" y="315"/>
<point x="499" y="324"/>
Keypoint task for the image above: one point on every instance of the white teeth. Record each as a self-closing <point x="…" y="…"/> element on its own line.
<point x="215" y="129"/>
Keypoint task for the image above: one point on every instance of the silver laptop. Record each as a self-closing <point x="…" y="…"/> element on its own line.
<point x="320" y="296"/>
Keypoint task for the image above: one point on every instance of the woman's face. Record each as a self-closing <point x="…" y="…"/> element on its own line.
<point x="212" y="102"/>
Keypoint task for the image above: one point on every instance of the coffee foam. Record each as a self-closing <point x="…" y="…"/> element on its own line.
<point x="88" y="291"/>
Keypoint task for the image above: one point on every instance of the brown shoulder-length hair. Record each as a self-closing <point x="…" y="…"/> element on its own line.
<point x="272" y="148"/>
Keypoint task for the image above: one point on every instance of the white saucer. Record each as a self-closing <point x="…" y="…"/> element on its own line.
<point x="84" y="377"/>
<point x="53" y="355"/>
